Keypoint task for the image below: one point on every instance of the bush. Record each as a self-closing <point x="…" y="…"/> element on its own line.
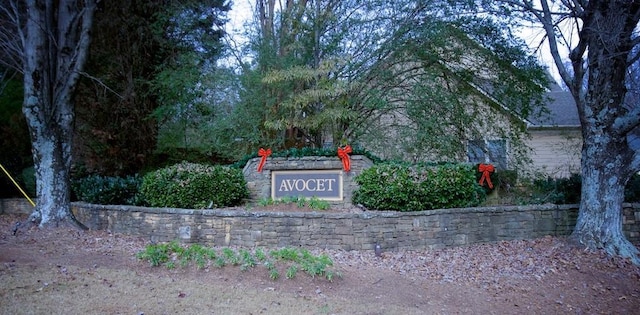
<point x="568" y="190"/>
<point x="193" y="186"/>
<point x="107" y="190"/>
<point x="413" y="188"/>
<point x="632" y="191"/>
<point x="503" y="180"/>
<point x="558" y="190"/>
<point x="29" y="180"/>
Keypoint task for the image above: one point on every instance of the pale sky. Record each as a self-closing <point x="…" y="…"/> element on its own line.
<point x="533" y="36"/>
<point x="241" y="10"/>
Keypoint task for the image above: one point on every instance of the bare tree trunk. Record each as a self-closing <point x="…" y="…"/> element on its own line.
<point x="266" y="10"/>
<point x="599" y="225"/>
<point x="607" y="160"/>
<point x="600" y="59"/>
<point x="51" y="159"/>
<point x="55" y="49"/>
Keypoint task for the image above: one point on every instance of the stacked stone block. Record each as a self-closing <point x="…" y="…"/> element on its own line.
<point x="348" y="231"/>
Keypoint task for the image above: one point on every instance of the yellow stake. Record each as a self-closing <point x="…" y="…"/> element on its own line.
<point x="14" y="182"/>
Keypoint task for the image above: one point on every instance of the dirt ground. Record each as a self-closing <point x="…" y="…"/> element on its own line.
<point x="67" y="271"/>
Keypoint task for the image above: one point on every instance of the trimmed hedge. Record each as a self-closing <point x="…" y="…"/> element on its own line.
<point x="107" y="190"/>
<point x="401" y="187"/>
<point x="194" y="186"/>
<point x="568" y="190"/>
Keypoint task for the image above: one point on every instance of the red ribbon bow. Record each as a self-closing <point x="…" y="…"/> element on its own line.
<point x="263" y="154"/>
<point x="343" y="154"/>
<point x="486" y="169"/>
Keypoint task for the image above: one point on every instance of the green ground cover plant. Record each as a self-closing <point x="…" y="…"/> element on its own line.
<point x="290" y="260"/>
<point x="313" y="203"/>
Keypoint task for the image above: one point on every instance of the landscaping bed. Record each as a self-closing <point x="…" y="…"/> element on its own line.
<point x="70" y="271"/>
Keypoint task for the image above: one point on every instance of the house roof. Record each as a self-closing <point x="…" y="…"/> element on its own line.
<point x="561" y="110"/>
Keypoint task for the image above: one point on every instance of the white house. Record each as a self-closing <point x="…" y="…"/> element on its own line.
<point x="556" y="138"/>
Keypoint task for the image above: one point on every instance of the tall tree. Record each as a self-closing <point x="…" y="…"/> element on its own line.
<point x="15" y="155"/>
<point x="342" y="67"/>
<point x="147" y="62"/>
<point x="189" y="84"/>
<point x="54" y="41"/>
<point x="114" y="135"/>
<point x="293" y="83"/>
<point x="429" y="77"/>
<point x="601" y="38"/>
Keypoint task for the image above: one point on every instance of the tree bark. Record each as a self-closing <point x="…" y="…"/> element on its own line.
<point x="55" y="49"/>
<point x="600" y="60"/>
<point x="599" y="224"/>
<point x="51" y="159"/>
<point x="608" y="162"/>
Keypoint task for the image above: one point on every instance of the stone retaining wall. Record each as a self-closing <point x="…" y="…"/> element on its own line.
<point x="16" y="206"/>
<point x="348" y="231"/>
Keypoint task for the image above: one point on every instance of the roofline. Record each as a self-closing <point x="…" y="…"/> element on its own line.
<point x="500" y="105"/>
<point x="538" y="127"/>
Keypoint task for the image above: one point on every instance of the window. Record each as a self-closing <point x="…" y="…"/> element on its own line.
<point x="488" y="151"/>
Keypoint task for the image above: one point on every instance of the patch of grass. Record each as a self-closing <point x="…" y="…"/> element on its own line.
<point x="325" y="309"/>
<point x="301" y="202"/>
<point x="155" y="254"/>
<point x="274" y="274"/>
<point x="287" y="254"/>
<point x="317" y="204"/>
<point x="303" y="259"/>
<point x="314" y="203"/>
<point x="291" y="260"/>
<point x="260" y="255"/>
<point x="248" y="261"/>
<point x="264" y="202"/>
<point x="230" y="256"/>
<point x="220" y="262"/>
<point x="292" y="271"/>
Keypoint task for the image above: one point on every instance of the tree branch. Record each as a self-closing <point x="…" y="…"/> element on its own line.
<point x="550" y="28"/>
<point x="11" y="37"/>
<point x="633" y="57"/>
<point x="5" y="77"/>
<point x="625" y="124"/>
<point x="92" y="78"/>
<point x="633" y="138"/>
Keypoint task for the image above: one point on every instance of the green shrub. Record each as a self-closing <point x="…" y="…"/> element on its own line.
<point x="568" y="190"/>
<point x="632" y="191"/>
<point x="558" y="190"/>
<point x="503" y="180"/>
<point x="193" y="186"/>
<point x="420" y="187"/>
<point x="107" y="190"/>
<point x="29" y="179"/>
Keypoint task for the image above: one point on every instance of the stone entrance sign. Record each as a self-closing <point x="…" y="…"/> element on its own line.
<point x="309" y="176"/>
<point x="325" y="185"/>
